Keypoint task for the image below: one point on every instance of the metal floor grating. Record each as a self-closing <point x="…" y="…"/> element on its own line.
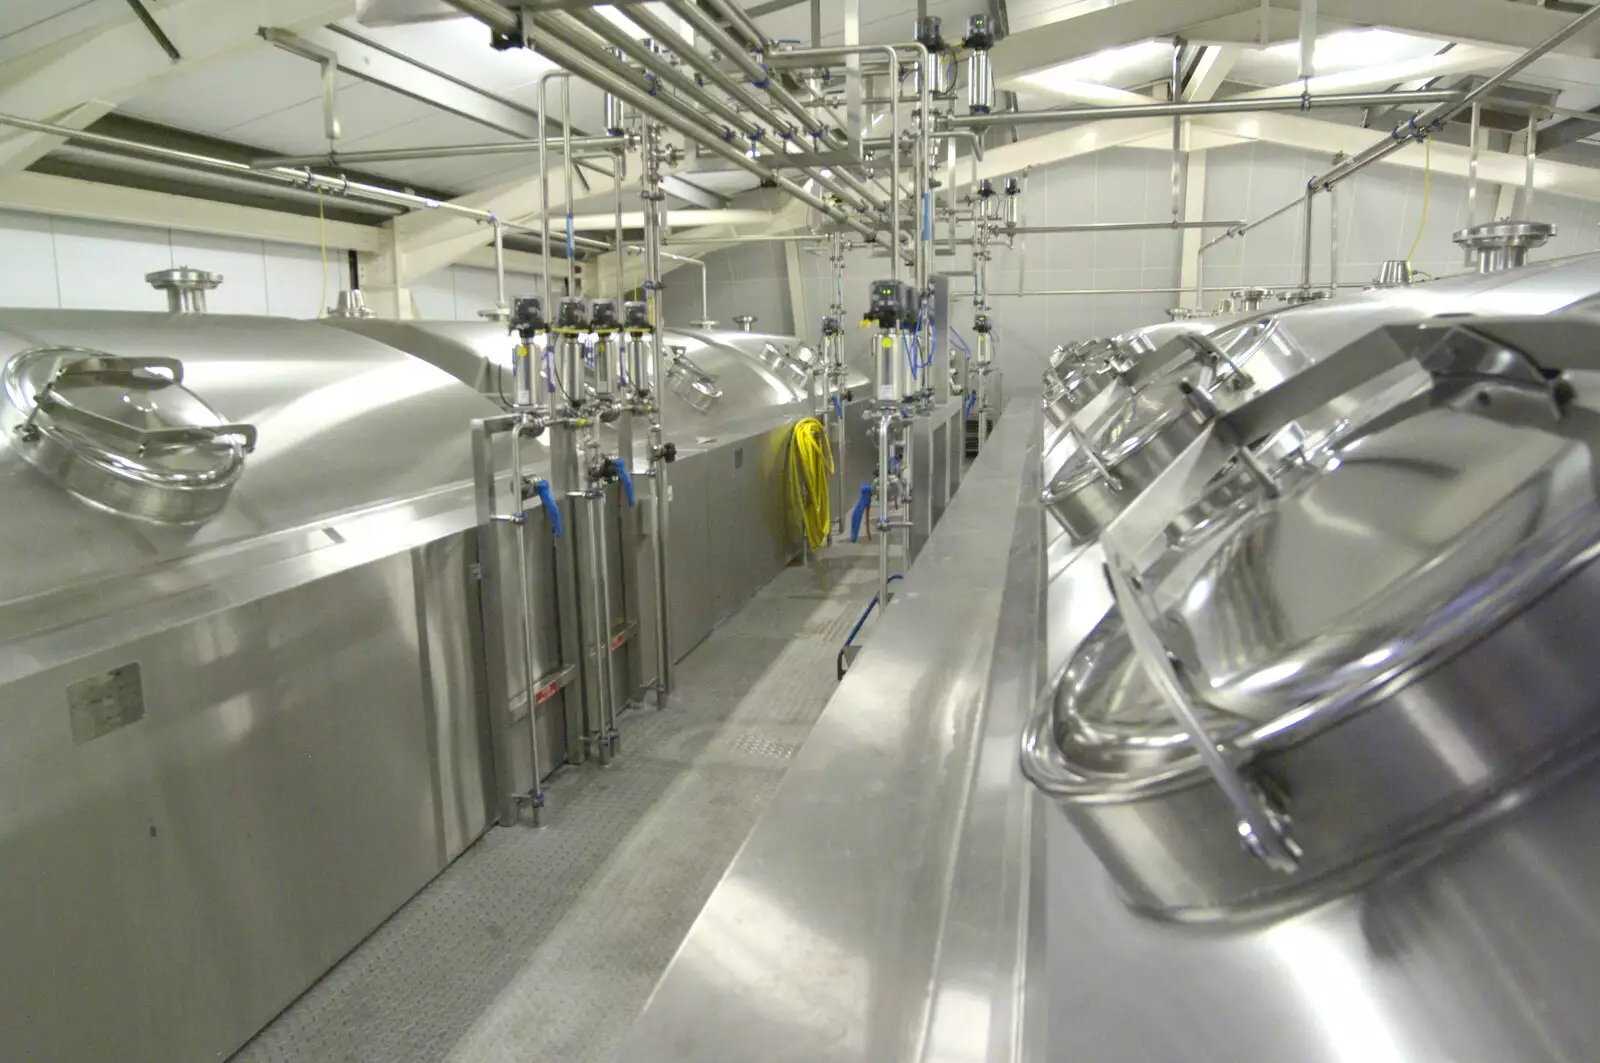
<point x="543" y="945"/>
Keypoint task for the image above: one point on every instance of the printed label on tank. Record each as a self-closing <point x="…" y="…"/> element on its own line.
<point x="105" y="703"/>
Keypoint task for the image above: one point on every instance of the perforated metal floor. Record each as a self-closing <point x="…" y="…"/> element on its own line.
<point x="542" y="946"/>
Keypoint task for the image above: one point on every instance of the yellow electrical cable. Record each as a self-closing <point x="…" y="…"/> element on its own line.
<point x="1427" y="174"/>
<point x="810" y="466"/>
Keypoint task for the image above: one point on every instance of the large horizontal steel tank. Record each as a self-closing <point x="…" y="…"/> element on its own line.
<point x="1337" y="700"/>
<point x="240" y="719"/>
<point x="731" y="401"/>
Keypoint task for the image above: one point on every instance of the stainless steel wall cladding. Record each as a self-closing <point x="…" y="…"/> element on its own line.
<point x="1317" y="663"/>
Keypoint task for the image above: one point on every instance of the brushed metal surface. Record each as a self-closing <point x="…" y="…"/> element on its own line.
<point x="1482" y="954"/>
<point x="823" y="940"/>
<point x="193" y="872"/>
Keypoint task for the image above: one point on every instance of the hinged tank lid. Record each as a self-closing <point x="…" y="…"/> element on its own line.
<point x="1334" y="593"/>
<point x="123" y="433"/>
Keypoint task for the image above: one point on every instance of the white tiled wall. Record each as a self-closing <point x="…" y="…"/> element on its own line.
<point x="745" y="279"/>
<point x="61" y="262"/>
<point x="1380" y="217"/>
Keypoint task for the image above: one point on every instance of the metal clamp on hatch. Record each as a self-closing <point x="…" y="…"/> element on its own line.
<point x="133" y="374"/>
<point x="124" y="433"/>
<point x="693" y="384"/>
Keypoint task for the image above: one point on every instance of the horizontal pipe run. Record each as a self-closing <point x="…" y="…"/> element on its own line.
<point x="1242" y="229"/>
<point x="1115" y="227"/>
<point x="777" y="238"/>
<point x="1195" y="108"/>
<point x="595" y="145"/>
<point x="185" y="173"/>
<point x="281" y="175"/>
<point x="1173" y="290"/>
<point x="602" y="70"/>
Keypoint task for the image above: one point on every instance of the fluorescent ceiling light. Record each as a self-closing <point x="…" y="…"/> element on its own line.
<point x="1354" y="48"/>
<point x="1104" y="66"/>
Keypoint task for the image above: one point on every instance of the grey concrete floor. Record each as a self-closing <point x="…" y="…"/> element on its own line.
<point x="543" y="945"/>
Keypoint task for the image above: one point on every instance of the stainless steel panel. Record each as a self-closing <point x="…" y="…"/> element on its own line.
<point x="1482" y="953"/>
<point x="345" y="424"/>
<point x="176" y="882"/>
<point x="822" y="943"/>
<point x="689" y="557"/>
<point x="458" y="737"/>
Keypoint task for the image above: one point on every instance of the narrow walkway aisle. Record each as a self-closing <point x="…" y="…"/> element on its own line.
<point x="542" y="946"/>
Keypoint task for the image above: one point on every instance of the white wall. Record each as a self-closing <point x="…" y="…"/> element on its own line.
<point x="1380" y="210"/>
<point x="744" y="279"/>
<point x="70" y="264"/>
<point x="1380" y="213"/>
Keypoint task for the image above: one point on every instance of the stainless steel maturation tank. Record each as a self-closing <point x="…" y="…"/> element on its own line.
<point x="1344" y="603"/>
<point x="238" y="727"/>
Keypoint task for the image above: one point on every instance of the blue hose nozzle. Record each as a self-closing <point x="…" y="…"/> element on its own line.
<point x="548" y="500"/>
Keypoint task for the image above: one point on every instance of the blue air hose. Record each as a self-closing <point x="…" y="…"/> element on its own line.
<point x="548" y="500"/>
<point x="627" y="481"/>
<point x="860" y="511"/>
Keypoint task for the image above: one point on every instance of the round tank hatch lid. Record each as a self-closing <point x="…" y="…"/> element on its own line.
<point x="123" y="433"/>
<point x="1415" y="541"/>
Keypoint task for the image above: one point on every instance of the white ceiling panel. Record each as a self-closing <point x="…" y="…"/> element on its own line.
<point x="219" y="96"/>
<point x="28" y="25"/>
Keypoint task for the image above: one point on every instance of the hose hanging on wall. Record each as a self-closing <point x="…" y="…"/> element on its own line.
<point x="810" y="466"/>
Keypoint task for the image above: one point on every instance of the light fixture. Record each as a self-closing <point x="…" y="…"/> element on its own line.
<point x="1105" y="66"/>
<point x="1353" y="49"/>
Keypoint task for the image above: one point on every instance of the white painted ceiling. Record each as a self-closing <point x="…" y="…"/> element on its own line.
<point x="271" y="99"/>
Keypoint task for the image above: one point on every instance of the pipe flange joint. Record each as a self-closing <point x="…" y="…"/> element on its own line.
<point x="756" y="134"/>
<point x="787" y="132"/>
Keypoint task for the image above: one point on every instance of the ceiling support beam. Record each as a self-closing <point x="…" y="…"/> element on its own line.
<point x="1109" y="27"/>
<point x="1499" y="167"/>
<point x="1213" y="69"/>
<point x="1498" y="23"/>
<point x="67" y="197"/>
<point x="1492" y="23"/>
<point x="1465" y="59"/>
<point x="84" y="77"/>
<point x="693" y="194"/>
<point x="790" y="217"/>
<point x="388" y="69"/>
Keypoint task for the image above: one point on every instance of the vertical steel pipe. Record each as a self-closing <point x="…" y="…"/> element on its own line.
<point x="1531" y="151"/>
<point x="1475" y="133"/>
<point x="500" y="270"/>
<point x="1176" y="92"/>
<point x="1305" y="258"/>
<point x="530" y="652"/>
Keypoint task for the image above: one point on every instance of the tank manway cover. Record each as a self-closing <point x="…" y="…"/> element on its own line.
<point x="123" y="433"/>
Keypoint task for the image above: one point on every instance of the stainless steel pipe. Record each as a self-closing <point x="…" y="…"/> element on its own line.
<point x="1457" y="102"/>
<point x="844" y="185"/>
<point x="588" y="146"/>
<point x="1191" y="108"/>
<point x="281" y="175"/>
<point x="1121" y="226"/>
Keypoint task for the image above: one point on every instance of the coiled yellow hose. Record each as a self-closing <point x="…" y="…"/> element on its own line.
<point x="810" y="465"/>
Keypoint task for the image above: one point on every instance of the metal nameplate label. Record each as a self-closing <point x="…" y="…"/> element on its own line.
<point x="104" y="703"/>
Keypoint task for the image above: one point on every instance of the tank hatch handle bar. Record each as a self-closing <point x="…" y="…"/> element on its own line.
<point x="144" y="374"/>
<point x="1262" y="827"/>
